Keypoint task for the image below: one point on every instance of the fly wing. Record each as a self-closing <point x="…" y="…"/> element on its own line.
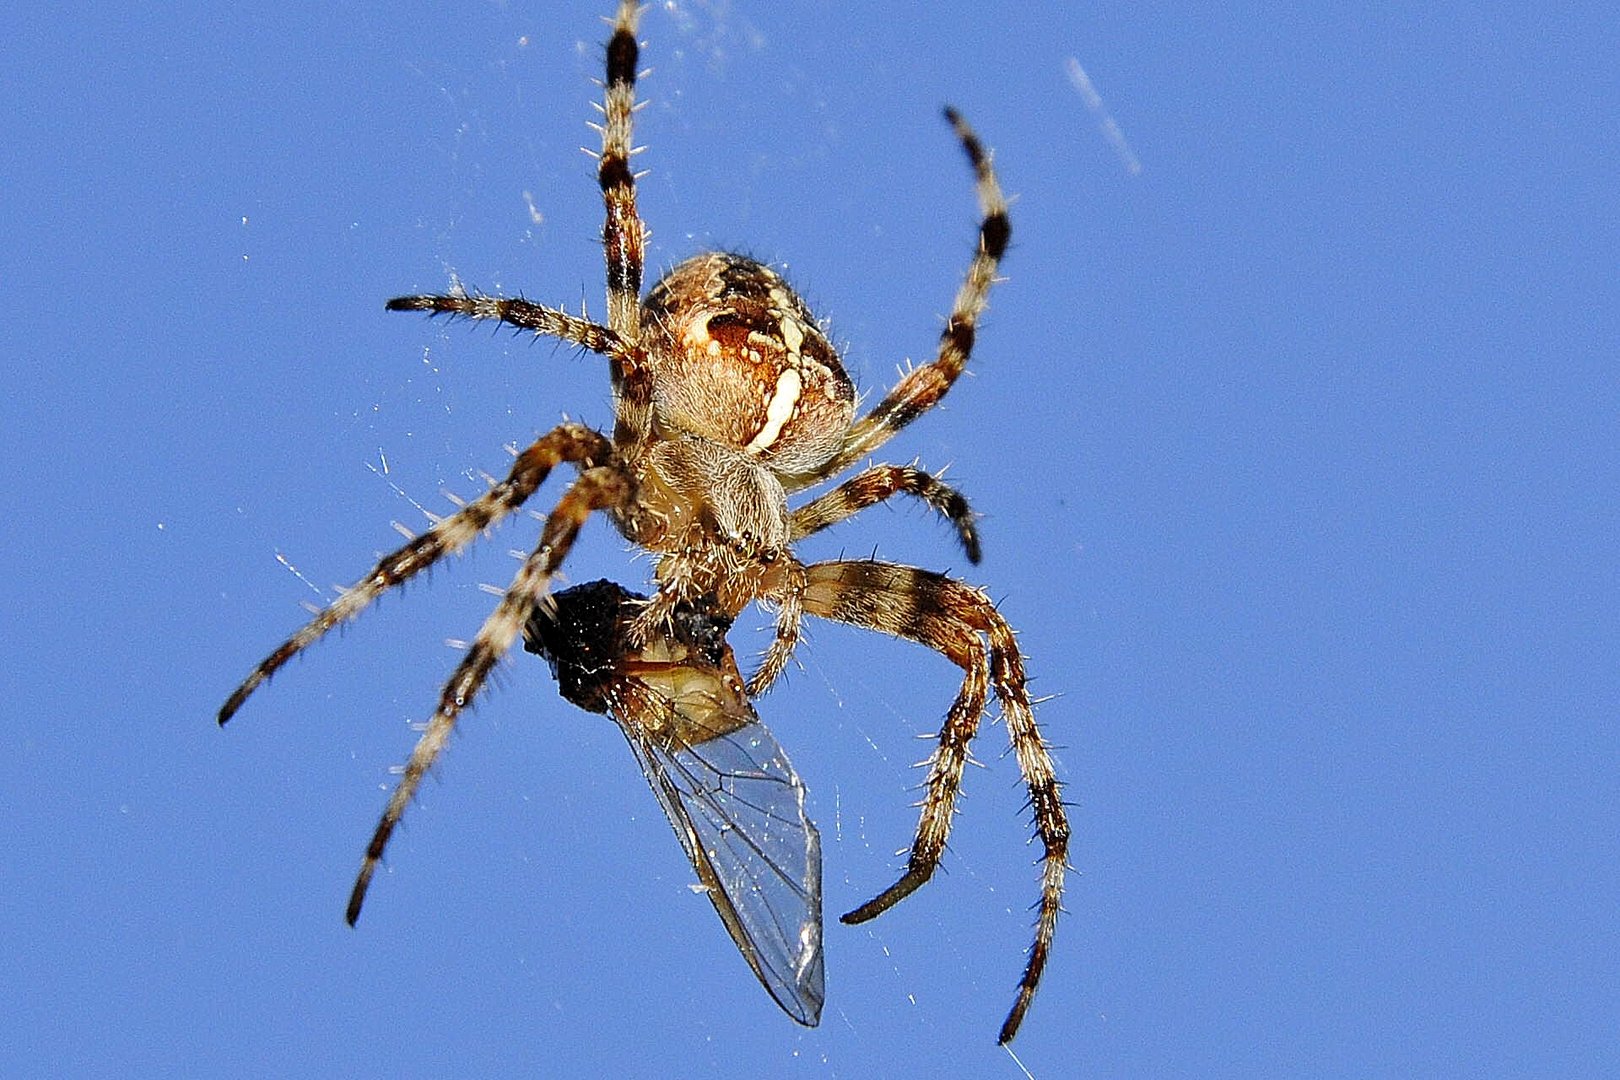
<point x="738" y="808"/>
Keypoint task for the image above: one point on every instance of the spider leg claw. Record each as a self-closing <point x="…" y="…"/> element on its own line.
<point x="909" y="882"/>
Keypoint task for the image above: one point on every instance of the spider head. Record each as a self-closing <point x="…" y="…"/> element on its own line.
<point x="738" y="359"/>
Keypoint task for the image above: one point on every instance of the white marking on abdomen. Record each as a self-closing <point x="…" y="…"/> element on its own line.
<point x="779" y="410"/>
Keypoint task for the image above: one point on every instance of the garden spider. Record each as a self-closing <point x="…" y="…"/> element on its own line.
<point x="728" y="398"/>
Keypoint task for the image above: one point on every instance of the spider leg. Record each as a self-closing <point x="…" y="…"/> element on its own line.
<point x="550" y="322"/>
<point x="933" y="610"/>
<point x="790" y="595"/>
<point x="624" y="239"/>
<point x="623" y="235"/>
<point x="952" y="618"/>
<point x="872" y="486"/>
<point x="597" y="488"/>
<point x="920" y="389"/>
<point x="881" y="482"/>
<point x="568" y="442"/>
<point x="632" y="381"/>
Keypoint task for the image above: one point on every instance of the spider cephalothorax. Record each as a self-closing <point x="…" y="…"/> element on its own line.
<point x="728" y="399"/>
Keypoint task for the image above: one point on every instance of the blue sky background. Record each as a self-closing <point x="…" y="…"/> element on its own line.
<point x="1296" y="452"/>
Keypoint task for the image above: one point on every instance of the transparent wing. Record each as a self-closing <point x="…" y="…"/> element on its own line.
<point x="738" y="807"/>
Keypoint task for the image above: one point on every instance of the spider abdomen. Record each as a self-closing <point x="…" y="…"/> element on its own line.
<point x="738" y="359"/>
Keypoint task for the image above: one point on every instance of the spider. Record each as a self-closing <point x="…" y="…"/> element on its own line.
<point x="728" y="398"/>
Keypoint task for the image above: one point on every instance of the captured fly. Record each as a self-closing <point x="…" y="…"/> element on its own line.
<point x="726" y="785"/>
